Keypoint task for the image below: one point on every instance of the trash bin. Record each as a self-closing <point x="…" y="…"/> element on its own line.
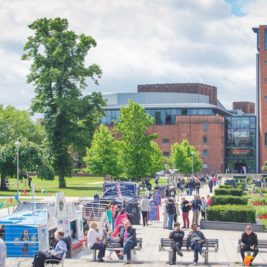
<point x="133" y="209"/>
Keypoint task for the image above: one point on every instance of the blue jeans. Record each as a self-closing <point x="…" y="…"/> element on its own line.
<point x="170" y="221"/>
<point x="127" y="247"/>
<point x="102" y="249"/>
<point x="190" y="191"/>
<point x="197" y="247"/>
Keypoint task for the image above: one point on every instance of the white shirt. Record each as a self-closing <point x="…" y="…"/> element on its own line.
<point x="145" y="204"/>
<point x="92" y="237"/>
<point x="2" y="253"/>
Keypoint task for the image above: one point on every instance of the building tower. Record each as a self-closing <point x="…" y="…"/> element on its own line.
<point x="261" y="87"/>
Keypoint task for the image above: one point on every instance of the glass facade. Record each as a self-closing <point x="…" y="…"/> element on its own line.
<point x="162" y="116"/>
<point x="240" y="144"/>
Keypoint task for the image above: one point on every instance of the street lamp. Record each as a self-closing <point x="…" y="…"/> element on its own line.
<point x="192" y="154"/>
<point x="17" y="144"/>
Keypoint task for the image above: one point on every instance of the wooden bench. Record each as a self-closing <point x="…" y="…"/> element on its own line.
<point x="262" y="244"/>
<point x="56" y="262"/>
<point x="165" y="245"/>
<point x="111" y="248"/>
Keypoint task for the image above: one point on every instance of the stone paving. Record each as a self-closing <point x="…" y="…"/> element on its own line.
<point x="150" y="256"/>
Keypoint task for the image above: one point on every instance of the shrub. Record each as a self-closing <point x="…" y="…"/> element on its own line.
<point x="232" y="192"/>
<point x="258" y="201"/>
<point x="231" y="213"/>
<point x="224" y="200"/>
<point x="226" y="186"/>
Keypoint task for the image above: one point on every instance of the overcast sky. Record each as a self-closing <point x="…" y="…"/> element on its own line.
<point x="143" y="41"/>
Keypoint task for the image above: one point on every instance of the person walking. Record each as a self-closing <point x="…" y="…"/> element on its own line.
<point x="171" y="210"/>
<point x="249" y="242"/>
<point x="203" y="208"/>
<point x="209" y="200"/>
<point x="177" y="210"/>
<point x="186" y="207"/>
<point x="210" y="184"/>
<point x="128" y="238"/>
<point x="195" y="241"/>
<point x="196" y="207"/>
<point x="164" y="213"/>
<point x="197" y="185"/>
<point x="176" y="237"/>
<point x="2" y="253"/>
<point x="145" y="207"/>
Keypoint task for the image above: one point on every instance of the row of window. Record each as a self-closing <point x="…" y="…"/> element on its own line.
<point x="205" y="153"/>
<point x="167" y="140"/>
<point x="241" y="123"/>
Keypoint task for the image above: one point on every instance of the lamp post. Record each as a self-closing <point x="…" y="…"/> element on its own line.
<point x="17" y="144"/>
<point x="192" y="154"/>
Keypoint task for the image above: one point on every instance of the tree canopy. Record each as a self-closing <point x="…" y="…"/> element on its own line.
<point x="59" y="75"/>
<point x="185" y="158"/>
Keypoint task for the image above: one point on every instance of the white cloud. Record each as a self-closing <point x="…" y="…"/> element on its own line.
<point x="142" y="41"/>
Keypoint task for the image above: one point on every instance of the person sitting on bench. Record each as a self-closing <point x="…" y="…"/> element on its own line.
<point x="52" y="256"/>
<point x="177" y="237"/>
<point x="128" y="237"/>
<point x="249" y="242"/>
<point x="195" y="240"/>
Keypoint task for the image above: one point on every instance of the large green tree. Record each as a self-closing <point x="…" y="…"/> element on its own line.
<point x="59" y="74"/>
<point x="102" y="156"/>
<point x="134" y="141"/>
<point x="156" y="159"/>
<point x="185" y="157"/>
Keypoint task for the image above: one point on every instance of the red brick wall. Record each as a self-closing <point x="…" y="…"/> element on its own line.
<point x="189" y="88"/>
<point x="191" y="128"/>
<point x="246" y="107"/>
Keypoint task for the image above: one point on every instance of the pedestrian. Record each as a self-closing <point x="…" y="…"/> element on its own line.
<point x="191" y="185"/>
<point x="209" y="200"/>
<point x="108" y="214"/>
<point x="197" y="185"/>
<point x="203" y="208"/>
<point x="145" y="207"/>
<point x="113" y="211"/>
<point x="164" y="213"/>
<point x="249" y="242"/>
<point x="94" y="240"/>
<point x="176" y="237"/>
<point x="29" y="181"/>
<point x="147" y="194"/>
<point x="171" y="210"/>
<point x="2" y="253"/>
<point x="120" y="216"/>
<point x="195" y="241"/>
<point x="210" y="184"/>
<point x="128" y="237"/>
<point x="177" y="213"/>
<point x="53" y="256"/>
<point x="186" y="207"/>
<point x="196" y="207"/>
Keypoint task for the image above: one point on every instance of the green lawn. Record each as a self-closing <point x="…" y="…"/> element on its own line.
<point x="76" y="187"/>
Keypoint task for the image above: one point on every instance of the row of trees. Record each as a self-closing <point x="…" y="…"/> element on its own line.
<point x="127" y="150"/>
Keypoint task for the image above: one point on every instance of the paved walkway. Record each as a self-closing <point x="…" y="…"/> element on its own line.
<point x="150" y="256"/>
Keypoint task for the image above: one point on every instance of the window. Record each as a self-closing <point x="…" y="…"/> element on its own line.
<point x="265" y="39"/>
<point x="205" y="153"/>
<point x="205" y="166"/>
<point x="265" y="80"/>
<point x="205" y="139"/>
<point x="184" y="111"/>
<point x="165" y="141"/>
<point x="205" y="126"/>
<point x="265" y="62"/>
<point x="265" y="139"/>
<point x="166" y="154"/>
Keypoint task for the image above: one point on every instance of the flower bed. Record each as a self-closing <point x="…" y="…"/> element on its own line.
<point x="262" y="216"/>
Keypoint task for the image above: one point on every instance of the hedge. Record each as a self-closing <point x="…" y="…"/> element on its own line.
<point x="231" y="213"/>
<point x="232" y="192"/>
<point x="232" y="200"/>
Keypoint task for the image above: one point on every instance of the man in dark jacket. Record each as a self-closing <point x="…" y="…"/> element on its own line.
<point x="177" y="237"/>
<point x="195" y="240"/>
<point x="196" y="207"/>
<point x="128" y="237"/>
<point x="249" y="242"/>
<point x="171" y="210"/>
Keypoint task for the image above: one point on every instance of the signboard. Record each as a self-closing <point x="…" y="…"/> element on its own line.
<point x="157" y="197"/>
<point x="153" y="214"/>
<point x="118" y="189"/>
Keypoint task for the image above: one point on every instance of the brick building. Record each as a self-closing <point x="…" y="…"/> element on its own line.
<point x="192" y="111"/>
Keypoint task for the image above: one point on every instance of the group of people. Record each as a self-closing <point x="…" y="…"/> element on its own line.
<point x="124" y="236"/>
<point x="196" y="239"/>
<point x="171" y="210"/>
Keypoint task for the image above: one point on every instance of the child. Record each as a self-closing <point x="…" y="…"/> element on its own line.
<point x="113" y="243"/>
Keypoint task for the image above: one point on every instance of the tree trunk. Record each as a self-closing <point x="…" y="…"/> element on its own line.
<point x="61" y="181"/>
<point x="3" y="183"/>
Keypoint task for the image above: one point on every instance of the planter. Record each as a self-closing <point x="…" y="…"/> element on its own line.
<point x="229" y="226"/>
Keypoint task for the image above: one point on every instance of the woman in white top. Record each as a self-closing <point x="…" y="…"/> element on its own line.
<point x="94" y="240"/>
<point x="164" y="213"/>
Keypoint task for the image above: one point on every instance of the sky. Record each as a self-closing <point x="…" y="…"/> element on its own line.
<point x="142" y="42"/>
